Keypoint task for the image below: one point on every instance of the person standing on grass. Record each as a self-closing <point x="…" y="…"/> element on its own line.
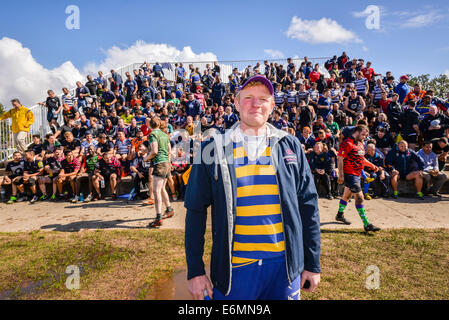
<point x="22" y="119"/>
<point x="160" y="155"/>
<point x="351" y="161"/>
<point x="265" y="217"/>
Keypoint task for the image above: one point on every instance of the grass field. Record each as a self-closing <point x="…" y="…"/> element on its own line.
<point x="413" y="264"/>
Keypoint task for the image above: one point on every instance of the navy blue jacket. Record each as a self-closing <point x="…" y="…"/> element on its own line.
<point x="193" y="108"/>
<point x="404" y="162"/>
<point x="214" y="184"/>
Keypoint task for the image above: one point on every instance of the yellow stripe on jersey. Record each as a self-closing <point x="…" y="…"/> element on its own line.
<point x="271" y="247"/>
<point x="266" y="229"/>
<point x="257" y="190"/>
<point x="259" y="210"/>
<point x="254" y="170"/>
<point x="240" y="152"/>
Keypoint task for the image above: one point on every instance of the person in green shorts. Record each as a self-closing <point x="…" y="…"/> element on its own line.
<point x="160" y="155"/>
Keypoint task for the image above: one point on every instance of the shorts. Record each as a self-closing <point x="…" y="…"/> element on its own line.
<point x="263" y="280"/>
<point x="353" y="182"/>
<point x="162" y="170"/>
<point x="51" y="116"/>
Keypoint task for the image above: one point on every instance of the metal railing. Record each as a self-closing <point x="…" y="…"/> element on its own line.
<point x="40" y="125"/>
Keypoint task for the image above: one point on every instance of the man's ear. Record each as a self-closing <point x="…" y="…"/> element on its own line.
<point x="237" y="103"/>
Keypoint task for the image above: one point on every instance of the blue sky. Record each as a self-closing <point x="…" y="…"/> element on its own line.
<point x="412" y="37"/>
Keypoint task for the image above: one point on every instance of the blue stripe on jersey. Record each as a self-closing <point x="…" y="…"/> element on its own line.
<point x="254" y="180"/>
<point x="268" y="238"/>
<point x="257" y="254"/>
<point x="263" y="160"/>
<point x="257" y="200"/>
<point x="259" y="220"/>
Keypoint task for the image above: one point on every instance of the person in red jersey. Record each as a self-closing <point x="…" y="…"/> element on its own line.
<point x="351" y="161"/>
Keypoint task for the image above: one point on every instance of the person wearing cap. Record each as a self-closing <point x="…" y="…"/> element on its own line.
<point x="265" y="216"/>
<point x="402" y="89"/>
<point x="22" y="119"/>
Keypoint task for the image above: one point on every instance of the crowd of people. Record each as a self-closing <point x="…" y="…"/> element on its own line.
<point x="110" y="126"/>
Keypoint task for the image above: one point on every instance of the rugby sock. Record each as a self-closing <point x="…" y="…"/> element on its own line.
<point x="342" y="206"/>
<point x="395" y="193"/>
<point x="366" y="187"/>
<point x="158" y="216"/>
<point x="363" y="174"/>
<point x="361" y="210"/>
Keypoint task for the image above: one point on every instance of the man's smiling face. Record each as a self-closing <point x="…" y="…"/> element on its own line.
<point x="255" y="104"/>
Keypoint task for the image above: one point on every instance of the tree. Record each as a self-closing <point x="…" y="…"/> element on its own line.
<point x="440" y="84"/>
<point x="2" y="109"/>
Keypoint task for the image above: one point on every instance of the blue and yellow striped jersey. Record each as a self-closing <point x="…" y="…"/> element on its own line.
<point x="259" y="230"/>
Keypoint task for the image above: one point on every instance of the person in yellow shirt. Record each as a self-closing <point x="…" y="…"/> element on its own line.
<point x="22" y="119"/>
<point x="127" y="117"/>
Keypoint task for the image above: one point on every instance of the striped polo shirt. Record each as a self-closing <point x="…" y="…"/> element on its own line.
<point x="360" y="85"/>
<point x="258" y="226"/>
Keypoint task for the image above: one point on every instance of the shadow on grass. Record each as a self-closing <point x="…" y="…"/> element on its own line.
<point x="94" y="224"/>
<point x="347" y="231"/>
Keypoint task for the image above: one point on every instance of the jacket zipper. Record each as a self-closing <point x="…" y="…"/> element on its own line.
<point x="282" y="218"/>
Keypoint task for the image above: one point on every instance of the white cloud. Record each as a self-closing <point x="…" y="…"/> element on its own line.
<point x="324" y="30"/>
<point x="422" y="20"/>
<point x="141" y="51"/>
<point x="24" y="78"/>
<point x="365" y="49"/>
<point x="275" y="54"/>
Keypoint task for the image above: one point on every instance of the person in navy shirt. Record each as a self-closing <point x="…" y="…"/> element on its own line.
<point x="218" y="91"/>
<point x="118" y="79"/>
<point x="193" y="107"/>
<point x="130" y="88"/>
<point x="157" y="70"/>
<point x="324" y="104"/>
<point x="230" y="118"/>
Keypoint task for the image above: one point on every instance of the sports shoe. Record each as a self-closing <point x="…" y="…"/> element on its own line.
<point x="149" y="202"/>
<point x="420" y="196"/>
<point x="34" y="199"/>
<point x="369" y="180"/>
<point x="168" y="214"/>
<point x="114" y="196"/>
<point x="329" y="196"/>
<point x="74" y="199"/>
<point x="12" y="200"/>
<point x="22" y="198"/>
<point x="43" y="197"/>
<point x="89" y="198"/>
<point x="341" y="218"/>
<point x="53" y="197"/>
<point x="371" y="227"/>
<point x="395" y="195"/>
<point x="437" y="194"/>
<point x="367" y="196"/>
<point x="174" y="197"/>
<point x="156" y="223"/>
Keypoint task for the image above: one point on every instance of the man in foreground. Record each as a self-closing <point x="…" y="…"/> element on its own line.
<point x="265" y="218"/>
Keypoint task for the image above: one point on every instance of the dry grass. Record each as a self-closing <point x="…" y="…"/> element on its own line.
<point x="413" y="263"/>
